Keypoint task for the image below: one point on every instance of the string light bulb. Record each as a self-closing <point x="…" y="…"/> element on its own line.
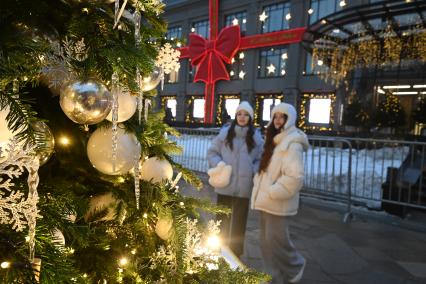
<point x="213" y="242"/>
<point x="64" y="141"/>
<point x="123" y="261"/>
<point x="5" y="264"/>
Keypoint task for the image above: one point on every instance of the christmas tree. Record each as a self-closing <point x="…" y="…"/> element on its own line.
<point x="419" y="114"/>
<point x="105" y="206"/>
<point x="355" y="114"/>
<point x="390" y="113"/>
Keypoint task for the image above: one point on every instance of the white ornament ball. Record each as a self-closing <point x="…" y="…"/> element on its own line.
<point x="156" y="170"/>
<point x="99" y="203"/>
<point x="126" y="107"/>
<point x="58" y="238"/>
<point x="163" y="228"/>
<point x="5" y="133"/>
<point x="99" y="151"/>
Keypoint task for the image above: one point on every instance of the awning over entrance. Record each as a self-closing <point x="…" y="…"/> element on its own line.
<point x="388" y="33"/>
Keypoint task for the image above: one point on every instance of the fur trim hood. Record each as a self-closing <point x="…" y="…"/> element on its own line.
<point x="287" y="109"/>
<point x="289" y="136"/>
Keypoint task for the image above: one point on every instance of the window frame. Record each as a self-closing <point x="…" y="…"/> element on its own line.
<point x="265" y="26"/>
<point x="258" y="107"/>
<point x="280" y="60"/>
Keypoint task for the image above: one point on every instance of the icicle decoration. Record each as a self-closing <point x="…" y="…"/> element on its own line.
<point x="118" y="11"/>
<point x="137" y="178"/>
<point x="137" y="21"/>
<point x="177" y="179"/>
<point x="33" y="180"/>
<point x="140" y="106"/>
<point x="115" y="90"/>
<point x="146" y="109"/>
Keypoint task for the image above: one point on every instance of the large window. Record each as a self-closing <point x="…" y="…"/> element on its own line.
<point x="237" y="19"/>
<point x="194" y="109"/>
<point x="198" y="108"/>
<point x="321" y="8"/>
<point x="201" y="28"/>
<point x="169" y="104"/>
<point x="172" y="77"/>
<point x="174" y="33"/>
<point x="275" y="17"/>
<point x="236" y="68"/>
<point x="263" y="107"/>
<point x="272" y="62"/>
<point x="317" y="67"/>
<point x="226" y="108"/>
<point x="317" y="111"/>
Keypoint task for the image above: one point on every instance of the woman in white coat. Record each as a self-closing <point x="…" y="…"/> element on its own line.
<point x="237" y="148"/>
<point x="276" y="194"/>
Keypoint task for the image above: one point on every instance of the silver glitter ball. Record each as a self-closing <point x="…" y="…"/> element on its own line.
<point x="85" y="102"/>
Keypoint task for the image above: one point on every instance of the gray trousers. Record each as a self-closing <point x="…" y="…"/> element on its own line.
<point x="233" y="227"/>
<point x="281" y="259"/>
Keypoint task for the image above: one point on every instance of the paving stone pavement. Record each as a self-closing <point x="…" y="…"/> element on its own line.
<point x="365" y="250"/>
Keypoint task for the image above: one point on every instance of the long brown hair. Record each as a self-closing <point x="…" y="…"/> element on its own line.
<point x="249" y="138"/>
<point x="269" y="146"/>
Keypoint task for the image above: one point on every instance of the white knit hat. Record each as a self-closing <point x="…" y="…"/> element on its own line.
<point x="244" y="105"/>
<point x="287" y="109"/>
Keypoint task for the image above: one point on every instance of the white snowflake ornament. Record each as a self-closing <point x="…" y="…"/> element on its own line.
<point x="168" y="59"/>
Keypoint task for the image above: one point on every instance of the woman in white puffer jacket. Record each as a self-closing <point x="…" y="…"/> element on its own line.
<point x="276" y="193"/>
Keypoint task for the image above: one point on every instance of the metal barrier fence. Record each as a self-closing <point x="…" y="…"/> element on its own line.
<point x="371" y="172"/>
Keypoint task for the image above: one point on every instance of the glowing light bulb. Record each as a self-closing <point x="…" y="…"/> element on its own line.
<point x="65" y="141"/>
<point x="5" y="264"/>
<point x="213" y="242"/>
<point x="123" y="261"/>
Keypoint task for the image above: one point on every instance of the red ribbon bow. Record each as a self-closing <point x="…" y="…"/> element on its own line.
<point x="209" y="55"/>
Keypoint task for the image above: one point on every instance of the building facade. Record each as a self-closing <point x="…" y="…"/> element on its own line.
<point x="266" y="76"/>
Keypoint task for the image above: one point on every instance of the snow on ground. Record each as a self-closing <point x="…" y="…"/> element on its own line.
<point x="326" y="168"/>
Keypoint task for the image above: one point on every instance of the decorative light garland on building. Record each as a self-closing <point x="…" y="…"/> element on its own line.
<point x="304" y="113"/>
<point x="164" y="100"/>
<point x="258" y="107"/>
<point x="222" y="100"/>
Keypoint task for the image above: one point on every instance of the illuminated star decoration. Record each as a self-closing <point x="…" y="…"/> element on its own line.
<point x="271" y="69"/>
<point x="235" y="21"/>
<point x="263" y="16"/>
<point x="241" y="74"/>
